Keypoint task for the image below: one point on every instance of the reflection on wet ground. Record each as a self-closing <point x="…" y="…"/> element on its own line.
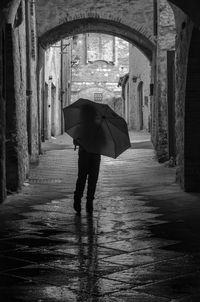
<point x="141" y="243"/>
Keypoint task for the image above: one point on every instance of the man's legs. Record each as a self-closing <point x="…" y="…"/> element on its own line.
<point x="93" y="174"/>
<point x="81" y="180"/>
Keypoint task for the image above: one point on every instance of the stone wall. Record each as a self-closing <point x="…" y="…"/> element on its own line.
<point x="184" y="31"/>
<point x="135" y="14"/>
<point x="22" y="141"/>
<point x="16" y="127"/>
<point x="165" y="42"/>
<point x="2" y="110"/>
<point x="192" y="115"/>
<point x="32" y="61"/>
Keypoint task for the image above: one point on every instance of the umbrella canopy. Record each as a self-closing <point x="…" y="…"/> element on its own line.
<point x="96" y="127"/>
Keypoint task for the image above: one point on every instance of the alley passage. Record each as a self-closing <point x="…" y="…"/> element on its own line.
<point x="141" y="244"/>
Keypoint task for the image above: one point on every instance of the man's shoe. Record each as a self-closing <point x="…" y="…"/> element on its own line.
<point x="77" y="205"/>
<point x="89" y="207"/>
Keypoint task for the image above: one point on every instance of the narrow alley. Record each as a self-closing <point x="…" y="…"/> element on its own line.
<point x="141" y="243"/>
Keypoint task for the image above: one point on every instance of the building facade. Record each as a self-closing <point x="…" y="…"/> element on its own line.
<point x="102" y="59"/>
<point x="55" y="85"/>
<point x="136" y="91"/>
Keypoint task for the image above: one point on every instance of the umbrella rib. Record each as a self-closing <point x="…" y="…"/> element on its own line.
<point x="111" y="121"/>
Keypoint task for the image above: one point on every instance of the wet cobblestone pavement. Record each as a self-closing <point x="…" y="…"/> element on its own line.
<point x="141" y="244"/>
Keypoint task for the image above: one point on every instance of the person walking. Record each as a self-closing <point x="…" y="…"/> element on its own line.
<point x="88" y="170"/>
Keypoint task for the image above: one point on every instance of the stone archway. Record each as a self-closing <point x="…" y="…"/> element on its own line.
<point x="72" y="28"/>
<point x="137" y="34"/>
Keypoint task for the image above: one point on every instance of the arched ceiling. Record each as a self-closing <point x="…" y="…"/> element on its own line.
<point x="132" y="20"/>
<point x="52" y="13"/>
<point x="191" y="8"/>
<point x="102" y="26"/>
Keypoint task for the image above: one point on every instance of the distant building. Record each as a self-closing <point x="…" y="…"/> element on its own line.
<point x="57" y="82"/>
<point x="99" y="62"/>
<point x="136" y="91"/>
<point x="102" y="60"/>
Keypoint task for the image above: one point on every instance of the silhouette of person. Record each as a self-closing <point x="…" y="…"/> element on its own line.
<point x="88" y="167"/>
<point x="88" y="162"/>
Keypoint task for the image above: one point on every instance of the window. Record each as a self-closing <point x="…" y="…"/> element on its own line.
<point x="98" y="97"/>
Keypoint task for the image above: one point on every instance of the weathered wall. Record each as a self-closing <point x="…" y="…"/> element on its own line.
<point x="41" y="91"/>
<point x="66" y="72"/>
<point x="58" y="87"/>
<point x="19" y="46"/>
<point x="165" y="42"/>
<point x="16" y="134"/>
<point x="2" y="110"/>
<point x="52" y="78"/>
<point x="140" y="70"/>
<point x="190" y="8"/>
<point x="184" y="31"/>
<point x="32" y="73"/>
<point x="192" y="116"/>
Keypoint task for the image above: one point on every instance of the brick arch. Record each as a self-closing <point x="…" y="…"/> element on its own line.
<point x="138" y="35"/>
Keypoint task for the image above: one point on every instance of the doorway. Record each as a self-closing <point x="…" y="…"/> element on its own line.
<point x="140" y="106"/>
<point x="53" y="109"/>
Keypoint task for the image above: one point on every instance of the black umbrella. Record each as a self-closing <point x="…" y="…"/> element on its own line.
<point x="97" y="128"/>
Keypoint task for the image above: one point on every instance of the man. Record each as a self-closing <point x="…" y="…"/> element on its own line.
<point x="88" y="169"/>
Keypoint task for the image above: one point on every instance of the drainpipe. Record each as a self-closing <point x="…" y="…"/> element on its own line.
<point x="155" y="17"/>
<point x="28" y="74"/>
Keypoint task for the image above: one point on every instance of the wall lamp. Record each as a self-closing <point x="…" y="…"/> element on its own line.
<point x="75" y="61"/>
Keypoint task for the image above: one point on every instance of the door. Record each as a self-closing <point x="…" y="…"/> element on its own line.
<point x="140" y="106"/>
<point x="53" y="110"/>
<point x="44" y="113"/>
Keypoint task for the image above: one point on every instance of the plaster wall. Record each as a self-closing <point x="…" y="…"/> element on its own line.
<point x="58" y="86"/>
<point x="52" y="78"/>
<point x="141" y="70"/>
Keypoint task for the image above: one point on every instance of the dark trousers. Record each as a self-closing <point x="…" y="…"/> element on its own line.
<point x="88" y="167"/>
